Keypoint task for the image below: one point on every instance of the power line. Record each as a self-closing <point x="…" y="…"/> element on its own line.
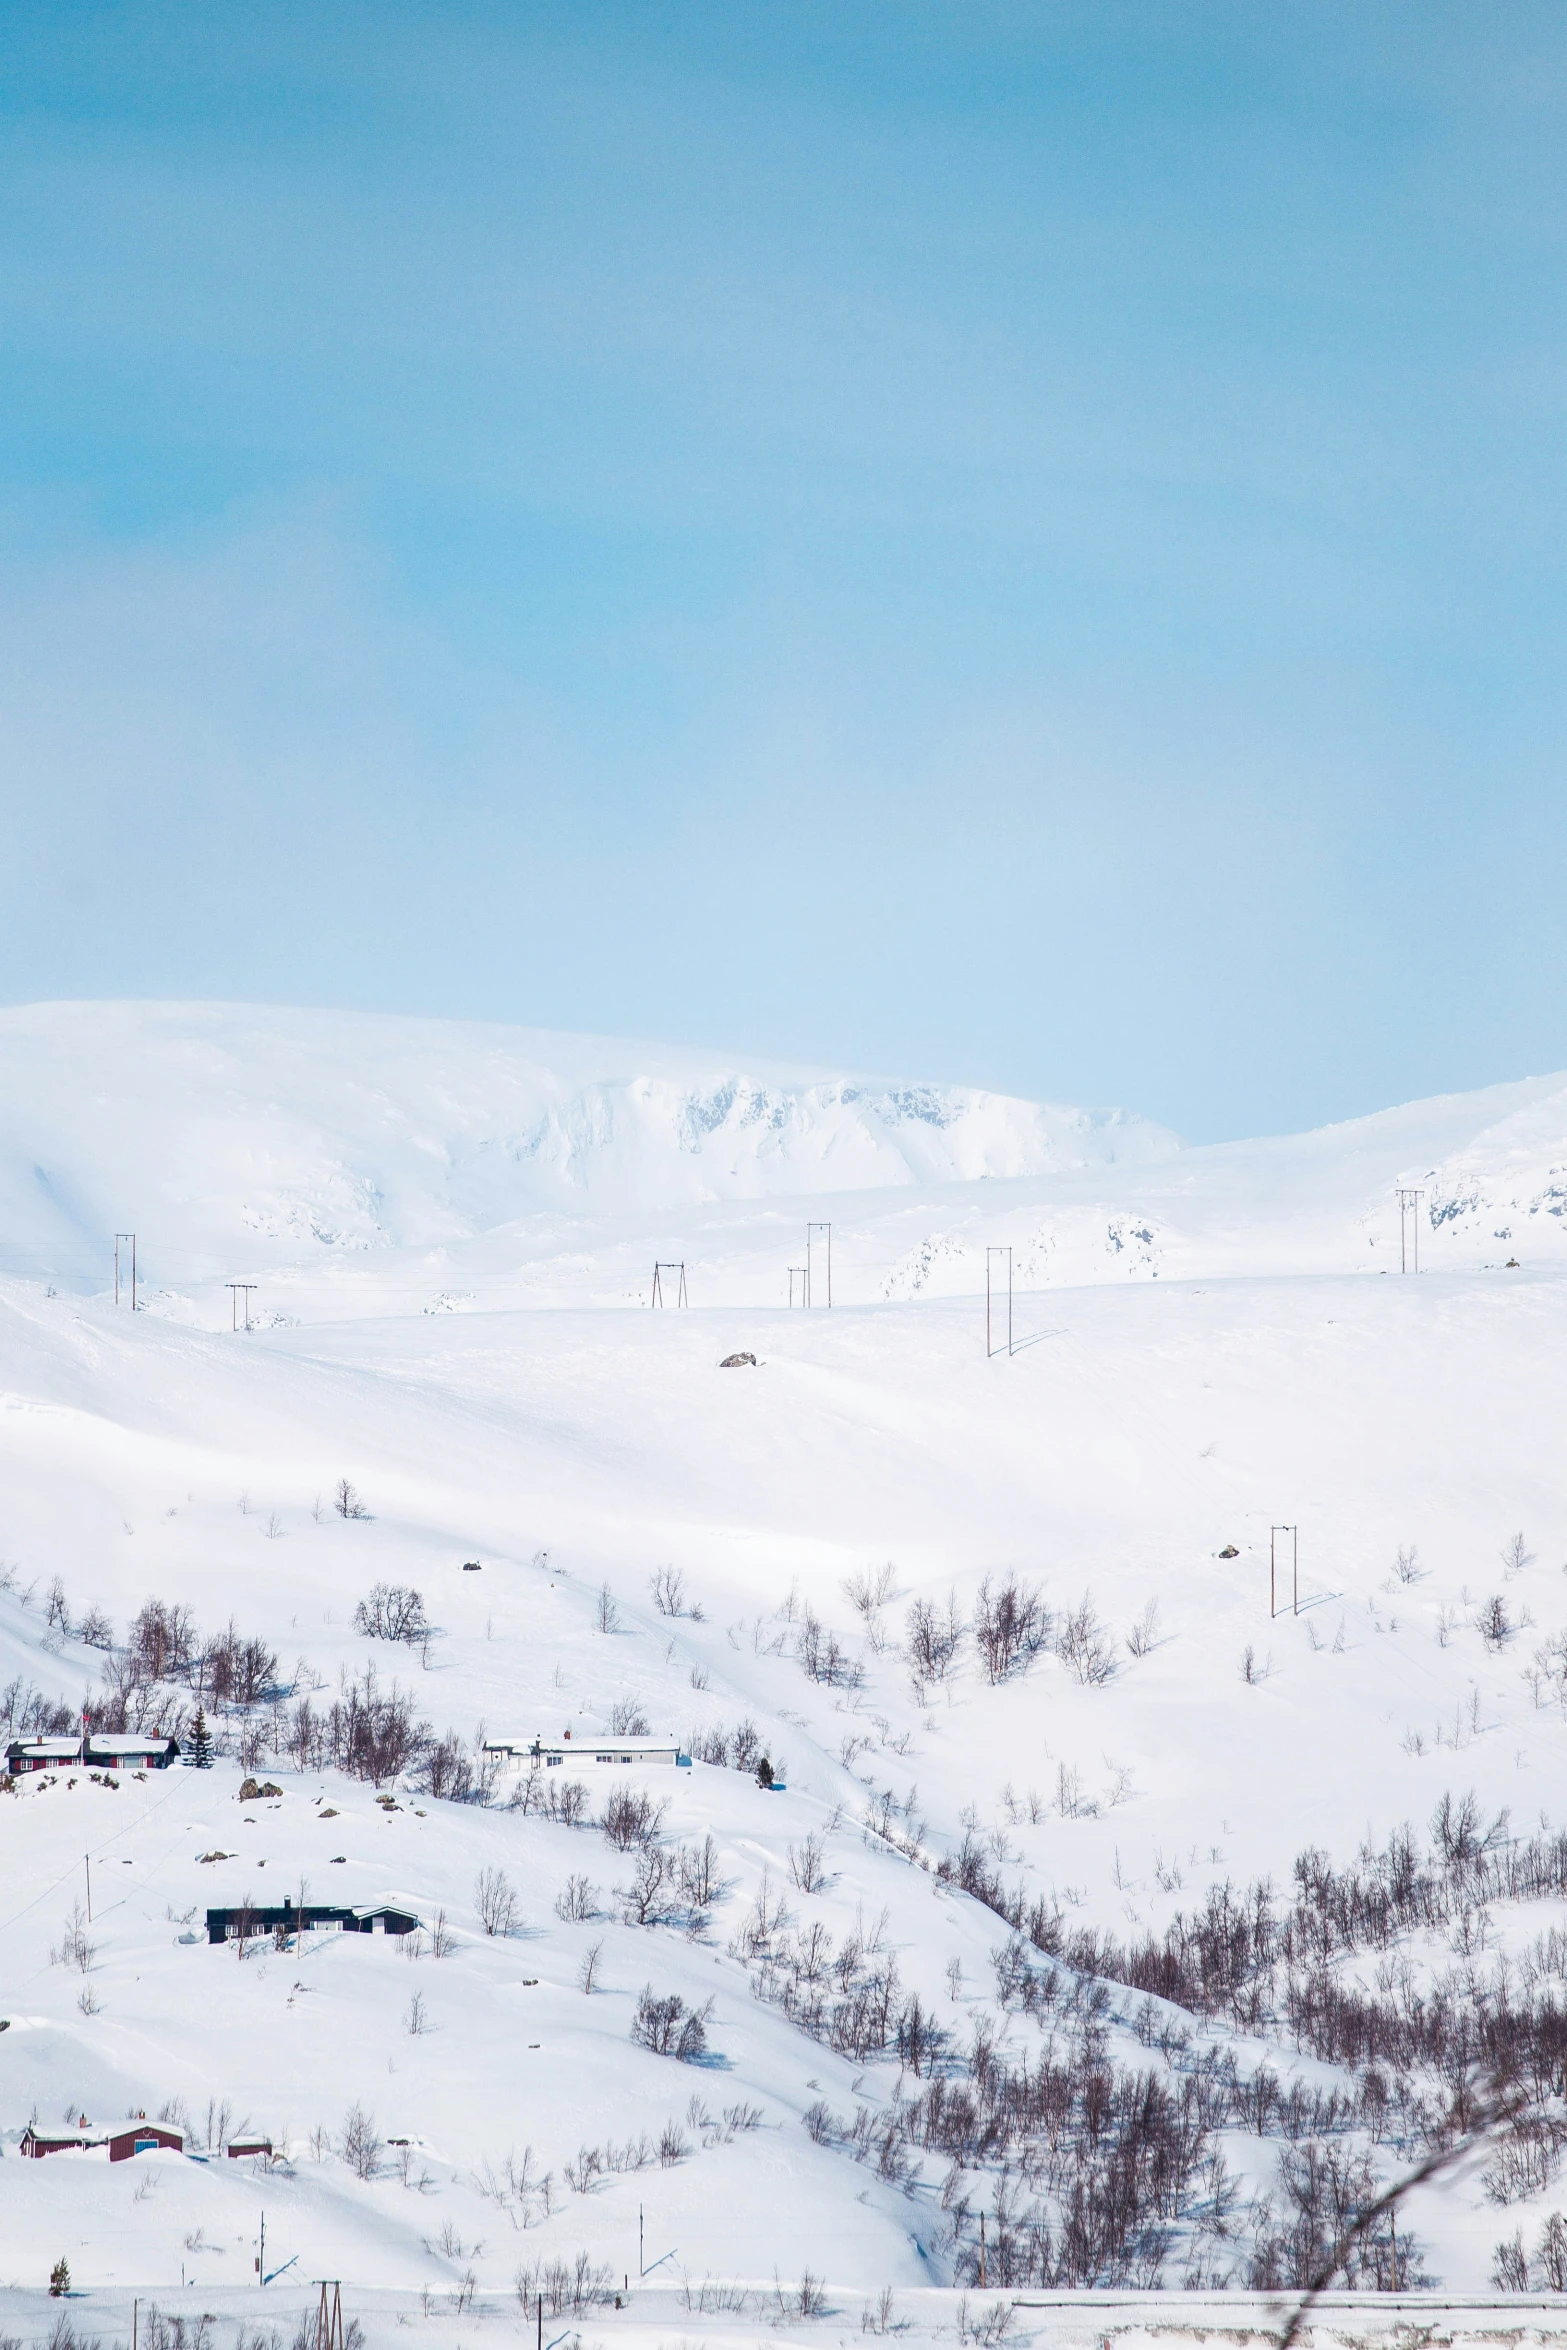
<point x="1409" y="1223"/>
<point x="990" y="1348"/>
<point x="235" y="1287"/>
<point x="669" y="1265"/>
<point x="811" y="1244"/>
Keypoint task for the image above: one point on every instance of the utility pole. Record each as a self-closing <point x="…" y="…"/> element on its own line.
<point x="261" y="2263"/>
<point x="669" y="1265"/>
<point x="234" y="1288"/>
<point x="641" y="2247"/>
<point x="1409" y="1228"/>
<point x="87" y="1865"/>
<point x="990" y="1347"/>
<point x="797" y="1273"/>
<point x="1273" y="1567"/>
<point x="329" y="2320"/>
<point x="130" y="1239"/>
<point x="816" y="1244"/>
<point x="982" y="2252"/>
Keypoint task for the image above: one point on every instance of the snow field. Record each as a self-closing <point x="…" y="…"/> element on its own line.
<point x="1246" y="1365"/>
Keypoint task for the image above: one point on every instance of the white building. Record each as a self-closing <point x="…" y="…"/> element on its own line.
<point x="591" y="1752"/>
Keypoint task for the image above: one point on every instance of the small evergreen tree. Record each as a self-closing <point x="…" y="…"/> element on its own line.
<point x="200" y="1742"/>
<point x="59" y="2280"/>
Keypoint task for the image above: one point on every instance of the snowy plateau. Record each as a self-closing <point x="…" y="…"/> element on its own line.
<point x="1167" y="1705"/>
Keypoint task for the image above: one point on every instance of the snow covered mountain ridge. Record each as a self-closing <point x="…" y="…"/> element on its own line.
<point x="303" y="1130"/>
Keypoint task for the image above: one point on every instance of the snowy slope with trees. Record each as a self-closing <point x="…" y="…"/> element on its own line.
<point x="1154" y="1929"/>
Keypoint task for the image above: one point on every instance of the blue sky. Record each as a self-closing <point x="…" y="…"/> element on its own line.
<point x="1011" y="543"/>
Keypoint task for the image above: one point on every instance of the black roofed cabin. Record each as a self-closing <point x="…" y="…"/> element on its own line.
<point x="247" y="1918"/>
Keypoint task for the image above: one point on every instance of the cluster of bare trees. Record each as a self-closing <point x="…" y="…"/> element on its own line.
<point x="151" y="1676"/>
<point x="1547" y="2273"/>
<point x="370" y="1731"/>
<point x="556" y="2286"/>
<point x="669" y="2027"/>
<point x="27" y="1712"/>
<point x="1011" y="1625"/>
<point x="391" y="1611"/>
<point x="1414" y="2047"/>
<point x="739" y="1749"/>
<point x="823" y="1656"/>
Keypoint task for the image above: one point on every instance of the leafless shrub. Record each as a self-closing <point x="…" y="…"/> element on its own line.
<point x="932" y="1637"/>
<point x="346" y="1501"/>
<point x="1253" y="1668"/>
<point x="869" y="1590"/>
<point x="606" y="1612"/>
<point x="1516" y="1555"/>
<point x="806" y="1864"/>
<point x="1525" y="2158"/>
<point x="392" y="1611"/>
<point x="673" y="2145"/>
<point x="985" y="2326"/>
<point x="668" y="1586"/>
<point x="668" y="2027"/>
<point x="416" y="2022"/>
<point x="496" y="1902"/>
<point x="822" y="1655"/>
<point x="1083" y="1645"/>
<point x="447" y="1769"/>
<point x="810" y="2300"/>
<point x="1510" y="2268"/>
<point x="440" y="1936"/>
<point x="1550" y="2254"/>
<point x="576" y="1900"/>
<point x="630" y="1816"/>
<point x="556" y="2286"/>
<point x="738" y="1749"/>
<point x="161" y="1643"/>
<point x="700" y="1882"/>
<point x="1494" y="1624"/>
<point x="588" y="1969"/>
<point x="1011" y="1626"/>
<point x="1406" y="1566"/>
<point x="652" y="1897"/>
<point x="627" y="1720"/>
<point x="361" y="2146"/>
<point x="1143" y="1637"/>
<point x="75" y="1949"/>
<point x="235" y="1671"/>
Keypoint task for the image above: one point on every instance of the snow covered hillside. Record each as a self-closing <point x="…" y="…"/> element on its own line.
<point x="1021" y="1940"/>
<point x="225" y="1134"/>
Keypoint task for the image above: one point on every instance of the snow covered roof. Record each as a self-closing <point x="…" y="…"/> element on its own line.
<point x="591" y="1747"/>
